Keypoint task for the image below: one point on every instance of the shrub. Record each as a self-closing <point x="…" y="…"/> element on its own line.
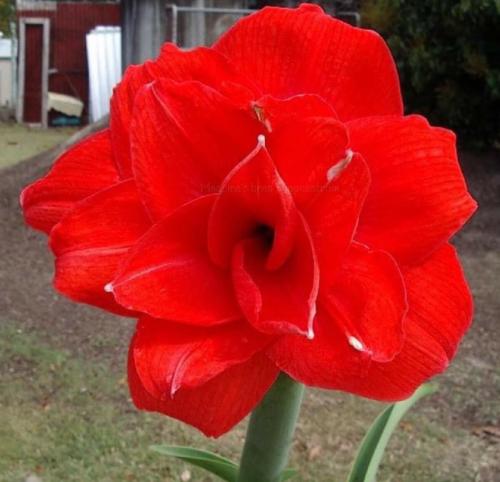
<point x="6" y="16"/>
<point x="448" y="56"/>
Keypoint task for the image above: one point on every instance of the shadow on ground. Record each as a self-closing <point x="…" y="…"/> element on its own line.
<point x="65" y="414"/>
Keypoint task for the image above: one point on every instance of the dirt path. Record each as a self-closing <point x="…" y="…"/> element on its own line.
<point x="455" y="431"/>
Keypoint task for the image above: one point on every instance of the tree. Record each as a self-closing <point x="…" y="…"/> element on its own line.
<point x="6" y="16"/>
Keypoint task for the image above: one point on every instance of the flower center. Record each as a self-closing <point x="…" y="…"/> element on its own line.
<point x="266" y="234"/>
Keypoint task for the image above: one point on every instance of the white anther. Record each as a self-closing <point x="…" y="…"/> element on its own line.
<point x="310" y="333"/>
<point x="261" y="139"/>
<point x="108" y="288"/>
<point x="355" y="343"/>
<point x="336" y="169"/>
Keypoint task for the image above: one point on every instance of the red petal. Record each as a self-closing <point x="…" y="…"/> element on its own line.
<point x="368" y="300"/>
<point x="333" y="216"/>
<point x="170" y="356"/>
<point x="440" y="299"/>
<point x="288" y="52"/>
<point x="418" y="197"/>
<point x="93" y="239"/>
<point x="185" y="139"/>
<point x="218" y="405"/>
<point x="440" y="313"/>
<point x="304" y="150"/>
<point x="282" y="300"/>
<point x="121" y="106"/>
<point x="273" y="111"/>
<point x="80" y="172"/>
<point x="252" y="195"/>
<point x="208" y="67"/>
<point x="169" y="274"/>
<point x="324" y="361"/>
<point x="202" y="64"/>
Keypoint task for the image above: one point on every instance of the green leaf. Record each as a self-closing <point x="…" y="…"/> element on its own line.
<point x="373" y="445"/>
<point x="217" y="465"/>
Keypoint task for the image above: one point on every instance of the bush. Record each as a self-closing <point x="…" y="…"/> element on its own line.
<point x="448" y="56"/>
<point x="6" y="16"/>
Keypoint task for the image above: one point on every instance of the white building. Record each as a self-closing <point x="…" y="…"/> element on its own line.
<point x="5" y="72"/>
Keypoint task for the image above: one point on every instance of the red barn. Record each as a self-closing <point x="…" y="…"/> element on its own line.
<point x="52" y="52"/>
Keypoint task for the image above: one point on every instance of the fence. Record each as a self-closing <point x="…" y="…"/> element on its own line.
<point x="189" y="26"/>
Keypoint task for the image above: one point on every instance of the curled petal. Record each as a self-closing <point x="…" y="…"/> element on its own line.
<point x="186" y="137"/>
<point x="200" y="64"/>
<point x="121" y="108"/>
<point x="304" y="150"/>
<point x="295" y="51"/>
<point x="323" y="361"/>
<point x="171" y="263"/>
<point x="359" y="320"/>
<point x="80" y="172"/>
<point x="208" y="67"/>
<point x="418" y="197"/>
<point x="92" y="240"/>
<point x="440" y="299"/>
<point x="368" y="300"/>
<point x="440" y="311"/>
<point x="333" y="215"/>
<point x="282" y="300"/>
<point x="170" y="356"/>
<point x="253" y="197"/>
<point x="216" y="406"/>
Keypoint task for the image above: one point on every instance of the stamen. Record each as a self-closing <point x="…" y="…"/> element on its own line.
<point x="261" y="140"/>
<point x="108" y="288"/>
<point x="259" y="113"/>
<point x="355" y="343"/>
<point x="336" y="169"/>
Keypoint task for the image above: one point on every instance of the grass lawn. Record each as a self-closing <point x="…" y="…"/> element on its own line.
<point x="18" y="142"/>
<point x="67" y="418"/>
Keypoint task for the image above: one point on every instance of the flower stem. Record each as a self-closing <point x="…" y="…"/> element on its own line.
<point x="270" y="432"/>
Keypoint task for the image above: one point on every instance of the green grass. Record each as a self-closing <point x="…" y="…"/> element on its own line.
<point x="19" y="142"/>
<point x="69" y="419"/>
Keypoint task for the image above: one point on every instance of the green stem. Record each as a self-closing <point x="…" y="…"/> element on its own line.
<point x="270" y="432"/>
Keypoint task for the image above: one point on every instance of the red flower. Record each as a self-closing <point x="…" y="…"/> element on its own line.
<point x="264" y="205"/>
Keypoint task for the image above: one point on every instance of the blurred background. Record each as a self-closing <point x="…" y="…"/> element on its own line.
<point x="65" y="413"/>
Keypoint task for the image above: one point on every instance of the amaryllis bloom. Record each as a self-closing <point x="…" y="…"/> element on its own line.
<point x="263" y="205"/>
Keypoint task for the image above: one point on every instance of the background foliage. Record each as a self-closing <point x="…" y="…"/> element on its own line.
<point x="6" y="16"/>
<point x="448" y="56"/>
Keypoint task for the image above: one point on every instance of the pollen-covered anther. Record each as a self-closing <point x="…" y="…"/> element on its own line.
<point x="108" y="288"/>
<point x="336" y="169"/>
<point x="355" y="343"/>
<point x="259" y="112"/>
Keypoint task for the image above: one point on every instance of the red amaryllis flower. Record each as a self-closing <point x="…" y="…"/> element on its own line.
<point x="264" y="205"/>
